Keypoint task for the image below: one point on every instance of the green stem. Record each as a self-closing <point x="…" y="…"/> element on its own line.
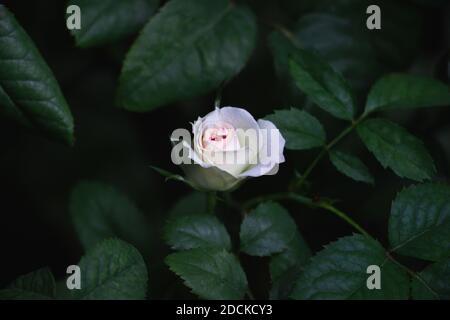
<point x="309" y="202"/>
<point x="278" y="196"/>
<point x="299" y="182"/>
<point x="231" y="202"/>
<point x="211" y="200"/>
<point x="344" y="217"/>
<point x="288" y="34"/>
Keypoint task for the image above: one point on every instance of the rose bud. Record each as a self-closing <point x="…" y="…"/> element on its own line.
<point x="229" y="146"/>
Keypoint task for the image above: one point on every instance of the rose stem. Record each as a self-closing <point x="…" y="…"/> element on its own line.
<point x="299" y="182"/>
<point x="232" y="203"/>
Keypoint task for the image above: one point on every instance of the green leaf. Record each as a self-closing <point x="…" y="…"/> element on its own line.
<point x="300" y="129"/>
<point x="107" y="21"/>
<point x="61" y="290"/>
<point x="211" y="273"/>
<point x="100" y="212"/>
<point x="186" y="50"/>
<point x="322" y="84"/>
<point x="29" y="93"/>
<point x="112" y="270"/>
<point x="419" y="225"/>
<point x="191" y="204"/>
<point x="434" y="282"/>
<point x="336" y="39"/>
<point x="342" y="43"/>
<point x="407" y="91"/>
<point x="286" y="267"/>
<point x="296" y="253"/>
<point x="336" y="31"/>
<point x="340" y="272"/>
<point x="351" y="166"/>
<point x="196" y="231"/>
<point x="37" y="285"/>
<point x="397" y="149"/>
<point x="266" y="230"/>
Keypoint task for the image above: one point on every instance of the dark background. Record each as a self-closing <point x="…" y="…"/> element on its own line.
<point x="117" y="147"/>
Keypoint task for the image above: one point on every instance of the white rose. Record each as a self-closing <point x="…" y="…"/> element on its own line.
<point x="229" y="146"/>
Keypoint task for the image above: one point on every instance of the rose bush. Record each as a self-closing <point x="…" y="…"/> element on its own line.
<point x="228" y="146"/>
<point x="338" y="94"/>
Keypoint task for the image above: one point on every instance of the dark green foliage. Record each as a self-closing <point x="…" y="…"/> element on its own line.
<point x="110" y="20"/>
<point x="29" y="93"/>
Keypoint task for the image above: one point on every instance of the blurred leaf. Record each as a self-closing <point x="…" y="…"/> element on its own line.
<point x="37" y="285"/>
<point x="300" y="129"/>
<point x="211" y="273"/>
<point x="282" y="47"/>
<point x="407" y="91"/>
<point x="112" y="270"/>
<point x="266" y="230"/>
<point x="196" y="231"/>
<point x="419" y="225"/>
<point x="294" y="7"/>
<point x="191" y="204"/>
<point x="336" y="30"/>
<point x="29" y="93"/>
<point x="100" y="212"/>
<point x="187" y="49"/>
<point x="342" y="43"/>
<point x="436" y="278"/>
<point x="340" y="272"/>
<point x="351" y="166"/>
<point x="397" y="149"/>
<point x="397" y="42"/>
<point x="286" y="267"/>
<point x="107" y="21"/>
<point x="322" y="84"/>
<point x="61" y="290"/>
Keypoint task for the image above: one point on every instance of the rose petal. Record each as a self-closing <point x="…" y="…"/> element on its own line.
<point x="259" y="170"/>
<point x="268" y="125"/>
<point x="194" y="156"/>
<point x="196" y="130"/>
<point x="205" y="162"/>
<point x="236" y="161"/>
<point x="239" y="118"/>
<point x="268" y="162"/>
